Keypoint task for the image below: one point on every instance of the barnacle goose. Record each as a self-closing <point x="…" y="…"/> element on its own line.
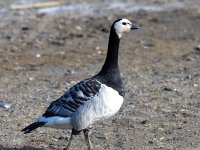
<point x="92" y="99"/>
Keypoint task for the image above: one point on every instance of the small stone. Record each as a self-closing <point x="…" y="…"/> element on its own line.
<point x="161" y="129"/>
<point x="19" y="13"/>
<point x="99" y="52"/>
<point x="62" y="53"/>
<point x="40" y="14"/>
<point x="166" y="89"/>
<point x="142" y="120"/>
<point x="38" y="55"/>
<point x="62" y="138"/>
<point x="150" y="141"/>
<point x="197" y="48"/>
<point x="162" y="138"/>
<point x="31" y="78"/>
<point x="97" y="48"/>
<point x="70" y="71"/>
<point x="175" y="90"/>
<point x="78" y="27"/>
<point x="25" y="28"/>
<point x="148" y="45"/>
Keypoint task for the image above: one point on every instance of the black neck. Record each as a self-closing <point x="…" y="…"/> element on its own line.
<point x="111" y="61"/>
<point x="110" y="74"/>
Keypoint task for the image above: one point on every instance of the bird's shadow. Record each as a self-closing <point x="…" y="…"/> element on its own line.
<point x="22" y="148"/>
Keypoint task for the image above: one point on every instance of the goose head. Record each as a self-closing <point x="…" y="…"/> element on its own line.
<point x="122" y="26"/>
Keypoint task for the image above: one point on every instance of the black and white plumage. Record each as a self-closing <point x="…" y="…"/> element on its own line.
<point x="92" y="99"/>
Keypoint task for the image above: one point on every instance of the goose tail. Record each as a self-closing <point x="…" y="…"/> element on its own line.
<point x="32" y="127"/>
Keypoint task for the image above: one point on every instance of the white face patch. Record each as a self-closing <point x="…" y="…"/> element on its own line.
<point x="122" y="26"/>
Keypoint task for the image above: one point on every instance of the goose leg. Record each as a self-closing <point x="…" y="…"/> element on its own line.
<point x="87" y="139"/>
<point x="70" y="142"/>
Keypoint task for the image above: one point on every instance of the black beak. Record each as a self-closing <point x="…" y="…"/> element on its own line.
<point x="134" y="27"/>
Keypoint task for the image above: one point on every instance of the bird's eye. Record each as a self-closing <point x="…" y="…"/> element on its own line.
<point x="124" y="23"/>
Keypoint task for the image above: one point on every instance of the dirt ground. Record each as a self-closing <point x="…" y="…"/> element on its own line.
<point x="41" y="55"/>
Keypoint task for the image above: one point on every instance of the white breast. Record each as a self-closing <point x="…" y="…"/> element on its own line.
<point x="104" y="105"/>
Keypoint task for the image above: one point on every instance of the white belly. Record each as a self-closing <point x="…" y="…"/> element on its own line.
<point x="56" y="122"/>
<point x="102" y="106"/>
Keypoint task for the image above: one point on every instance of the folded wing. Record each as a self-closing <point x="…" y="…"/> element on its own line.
<point x="73" y="98"/>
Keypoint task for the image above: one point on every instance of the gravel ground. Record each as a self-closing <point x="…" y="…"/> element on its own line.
<point x="43" y="54"/>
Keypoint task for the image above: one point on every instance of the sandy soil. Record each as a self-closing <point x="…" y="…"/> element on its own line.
<point x="41" y="55"/>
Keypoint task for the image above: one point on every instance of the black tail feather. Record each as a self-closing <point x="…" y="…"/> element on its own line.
<point x="32" y="127"/>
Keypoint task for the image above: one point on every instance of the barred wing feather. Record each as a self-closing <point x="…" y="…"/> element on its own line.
<point x="73" y="98"/>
